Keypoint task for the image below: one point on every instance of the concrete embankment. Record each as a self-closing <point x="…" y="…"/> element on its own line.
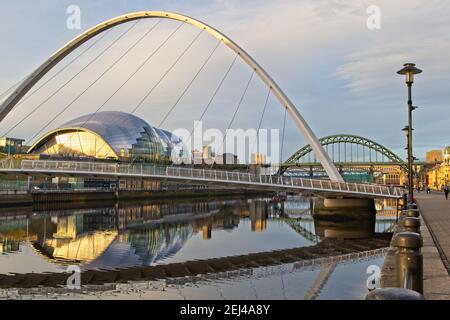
<point x="29" y="199"/>
<point x="16" y="199"/>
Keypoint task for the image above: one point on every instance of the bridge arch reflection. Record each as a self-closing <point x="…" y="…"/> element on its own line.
<point x="147" y="234"/>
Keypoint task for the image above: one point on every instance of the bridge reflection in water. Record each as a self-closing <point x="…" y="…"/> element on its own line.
<point x="132" y="236"/>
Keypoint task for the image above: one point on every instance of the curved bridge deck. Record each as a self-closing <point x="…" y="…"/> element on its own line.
<point x="219" y="178"/>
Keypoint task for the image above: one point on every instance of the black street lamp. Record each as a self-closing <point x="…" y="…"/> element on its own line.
<point x="409" y="70"/>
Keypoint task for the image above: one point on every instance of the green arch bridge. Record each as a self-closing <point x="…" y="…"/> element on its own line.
<point x="352" y="154"/>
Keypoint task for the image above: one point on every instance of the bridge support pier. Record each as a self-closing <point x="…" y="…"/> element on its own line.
<point x="345" y="218"/>
<point x="348" y="203"/>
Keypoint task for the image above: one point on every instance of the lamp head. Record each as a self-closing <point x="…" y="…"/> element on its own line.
<point x="409" y="70"/>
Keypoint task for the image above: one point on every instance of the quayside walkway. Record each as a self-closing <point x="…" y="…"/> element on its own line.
<point x="435" y="211"/>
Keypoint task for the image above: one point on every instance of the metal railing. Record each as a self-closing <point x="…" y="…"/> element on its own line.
<point x="221" y="176"/>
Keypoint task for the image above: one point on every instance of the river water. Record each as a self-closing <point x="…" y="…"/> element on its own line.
<point x="121" y="236"/>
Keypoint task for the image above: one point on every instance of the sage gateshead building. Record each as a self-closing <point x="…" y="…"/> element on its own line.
<point x="111" y="135"/>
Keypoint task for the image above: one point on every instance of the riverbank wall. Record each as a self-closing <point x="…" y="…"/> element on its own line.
<point x="25" y="199"/>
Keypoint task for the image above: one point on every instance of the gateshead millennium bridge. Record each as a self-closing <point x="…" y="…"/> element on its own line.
<point x="335" y="186"/>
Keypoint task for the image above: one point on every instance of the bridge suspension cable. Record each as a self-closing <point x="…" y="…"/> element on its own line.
<point x="160" y="80"/>
<point x="25" y="98"/>
<point x="167" y="72"/>
<point x="65" y="84"/>
<point x="256" y="143"/>
<point x="8" y="104"/>
<point x="96" y="80"/>
<point x="282" y="139"/>
<point x="235" y="113"/>
<point x="4" y="93"/>
<point x="213" y="95"/>
<point x="146" y="60"/>
<point x="189" y="84"/>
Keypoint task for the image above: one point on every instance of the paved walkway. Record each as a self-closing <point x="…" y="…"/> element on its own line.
<point x="435" y="211"/>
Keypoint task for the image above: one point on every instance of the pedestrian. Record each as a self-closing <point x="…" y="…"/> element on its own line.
<point x="428" y="189"/>
<point x="446" y="191"/>
<point x="405" y="200"/>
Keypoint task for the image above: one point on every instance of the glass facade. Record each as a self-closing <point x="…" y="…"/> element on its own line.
<point x="109" y="135"/>
<point x="173" y="146"/>
<point x="76" y="144"/>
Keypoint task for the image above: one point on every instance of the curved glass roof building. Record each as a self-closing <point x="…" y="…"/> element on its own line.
<point x="110" y="135"/>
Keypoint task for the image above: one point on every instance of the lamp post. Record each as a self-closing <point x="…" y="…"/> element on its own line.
<point x="409" y="70"/>
<point x="416" y="172"/>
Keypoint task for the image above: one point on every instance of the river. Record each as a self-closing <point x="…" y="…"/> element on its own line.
<point x="139" y="235"/>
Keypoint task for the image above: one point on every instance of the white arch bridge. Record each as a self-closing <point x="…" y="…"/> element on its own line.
<point x="179" y="174"/>
<point x="227" y="179"/>
<point x="13" y="99"/>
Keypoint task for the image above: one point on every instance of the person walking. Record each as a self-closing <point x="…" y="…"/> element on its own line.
<point x="446" y="191"/>
<point x="405" y="200"/>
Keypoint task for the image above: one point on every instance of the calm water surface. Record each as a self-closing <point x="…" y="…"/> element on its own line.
<point x="126" y="235"/>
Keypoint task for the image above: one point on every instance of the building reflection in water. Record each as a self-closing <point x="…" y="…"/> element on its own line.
<point x="149" y="233"/>
<point x="130" y="235"/>
<point x="11" y="235"/>
<point x="386" y="207"/>
<point x="9" y="245"/>
<point x="206" y="231"/>
<point x="258" y="215"/>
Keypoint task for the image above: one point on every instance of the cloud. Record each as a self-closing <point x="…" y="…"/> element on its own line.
<point x="410" y="33"/>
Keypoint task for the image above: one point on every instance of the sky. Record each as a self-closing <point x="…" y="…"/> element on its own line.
<point x="340" y="74"/>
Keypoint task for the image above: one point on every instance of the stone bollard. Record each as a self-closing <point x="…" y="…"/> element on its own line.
<point x="409" y="261"/>
<point x="411" y="224"/>
<point x="394" y="294"/>
<point x="410" y="213"/>
<point x="411" y="206"/>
